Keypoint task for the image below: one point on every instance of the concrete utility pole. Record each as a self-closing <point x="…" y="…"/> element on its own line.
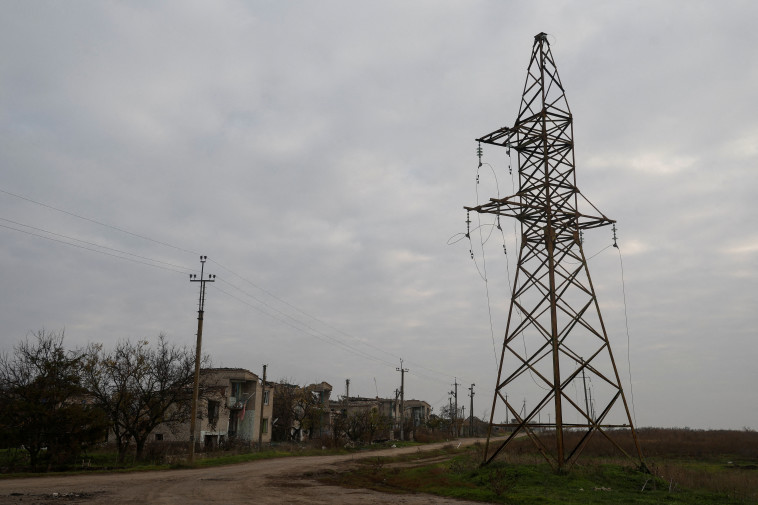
<point x="260" y="417"/>
<point x="395" y="409"/>
<point x="471" y="410"/>
<point x="198" y="349"/>
<point x="402" y="399"/>
<point x="450" y="409"/>
<point x="347" y="394"/>
<point x="455" y="395"/>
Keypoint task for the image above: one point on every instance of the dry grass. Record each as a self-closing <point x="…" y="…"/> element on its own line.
<point x="658" y="442"/>
<point x="721" y="461"/>
<point x="737" y="483"/>
<point x="425" y="436"/>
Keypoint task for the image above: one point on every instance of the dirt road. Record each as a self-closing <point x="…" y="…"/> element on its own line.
<point x="272" y="481"/>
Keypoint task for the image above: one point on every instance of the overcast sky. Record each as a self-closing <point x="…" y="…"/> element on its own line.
<point x="321" y="153"/>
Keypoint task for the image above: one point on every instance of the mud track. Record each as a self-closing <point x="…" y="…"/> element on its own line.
<point x="271" y="481"/>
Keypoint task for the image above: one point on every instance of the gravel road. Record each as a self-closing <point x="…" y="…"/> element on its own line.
<point x="272" y="481"/>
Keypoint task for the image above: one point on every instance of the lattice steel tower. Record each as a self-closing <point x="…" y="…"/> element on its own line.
<point x="556" y="348"/>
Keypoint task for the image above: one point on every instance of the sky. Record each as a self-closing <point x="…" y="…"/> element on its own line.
<point x="320" y="154"/>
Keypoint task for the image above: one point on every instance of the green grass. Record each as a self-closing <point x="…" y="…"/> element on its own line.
<point x="596" y="481"/>
<point x="104" y="461"/>
<point x="688" y="467"/>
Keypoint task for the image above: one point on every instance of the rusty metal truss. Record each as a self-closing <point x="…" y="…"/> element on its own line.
<point x="556" y="350"/>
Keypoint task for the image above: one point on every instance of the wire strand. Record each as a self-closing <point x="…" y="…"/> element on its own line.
<point x="186" y="270"/>
<point x="482" y="241"/>
<point x="96" y="222"/>
<point x="312" y="333"/>
<point x="283" y="317"/>
<point x="301" y="311"/>
<point x="628" y="338"/>
<point x="94" y="250"/>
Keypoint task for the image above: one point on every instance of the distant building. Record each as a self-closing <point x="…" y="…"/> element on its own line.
<point x="303" y="412"/>
<point x="228" y="410"/>
<point x="418" y="411"/>
<point x="324" y="392"/>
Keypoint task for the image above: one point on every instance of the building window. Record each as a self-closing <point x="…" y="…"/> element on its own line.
<point x="233" y="424"/>
<point x="158" y="437"/>
<point x="265" y="397"/>
<point x="264" y="425"/>
<point x="237" y="391"/>
<point x="213" y="409"/>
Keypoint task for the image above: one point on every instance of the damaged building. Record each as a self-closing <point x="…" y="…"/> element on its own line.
<point x="234" y="406"/>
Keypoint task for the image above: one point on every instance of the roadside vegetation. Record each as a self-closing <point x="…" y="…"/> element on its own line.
<point x="686" y="466"/>
<point x="57" y="405"/>
<point x="173" y="455"/>
<point x="93" y="409"/>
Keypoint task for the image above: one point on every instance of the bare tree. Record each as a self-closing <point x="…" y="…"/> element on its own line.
<point x="284" y="392"/>
<point x="141" y="387"/>
<point x="434" y="422"/>
<point x="365" y="424"/>
<point x="308" y="410"/>
<point x="42" y="402"/>
<point x="448" y="419"/>
<point x="298" y="410"/>
<point x="339" y="426"/>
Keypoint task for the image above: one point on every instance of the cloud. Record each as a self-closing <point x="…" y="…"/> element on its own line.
<point x="321" y="155"/>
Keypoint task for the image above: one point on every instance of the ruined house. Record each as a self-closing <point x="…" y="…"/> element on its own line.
<point x="229" y="410"/>
<point x="302" y="412"/>
<point x="418" y="411"/>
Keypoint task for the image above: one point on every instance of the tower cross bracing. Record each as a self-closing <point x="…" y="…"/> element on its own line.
<point x="555" y="342"/>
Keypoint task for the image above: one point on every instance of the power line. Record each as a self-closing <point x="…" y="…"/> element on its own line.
<point x="309" y="330"/>
<point x="362" y="341"/>
<point x="101" y="249"/>
<point x="272" y="295"/>
<point x="94" y="250"/>
<point x="97" y="222"/>
<point x="313" y="333"/>
<point x="482" y="241"/>
<point x="628" y="338"/>
<point x="135" y="258"/>
<point x="144" y="237"/>
<point x="144" y="260"/>
<point x="89" y="243"/>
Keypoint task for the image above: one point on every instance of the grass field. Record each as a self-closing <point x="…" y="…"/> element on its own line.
<point x="686" y="466"/>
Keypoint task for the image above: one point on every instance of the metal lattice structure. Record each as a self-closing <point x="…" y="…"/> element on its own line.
<point x="555" y="341"/>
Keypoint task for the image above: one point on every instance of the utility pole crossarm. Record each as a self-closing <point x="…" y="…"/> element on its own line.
<point x="511" y="207"/>
<point x="494" y="137"/>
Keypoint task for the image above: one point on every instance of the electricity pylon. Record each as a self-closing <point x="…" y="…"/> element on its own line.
<point x="555" y="336"/>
